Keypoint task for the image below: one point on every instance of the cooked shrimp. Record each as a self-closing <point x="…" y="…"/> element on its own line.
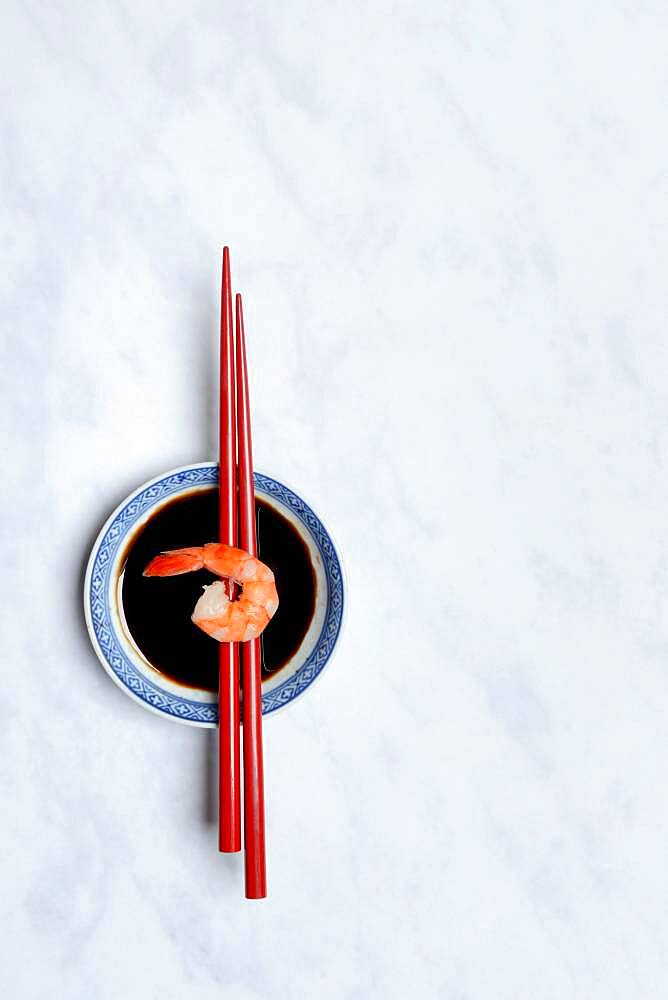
<point x="225" y="620"/>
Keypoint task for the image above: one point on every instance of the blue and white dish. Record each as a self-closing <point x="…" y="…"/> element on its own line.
<point x="111" y="638"/>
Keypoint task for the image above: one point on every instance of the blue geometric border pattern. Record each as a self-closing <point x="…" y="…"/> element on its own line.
<point x="324" y="647"/>
<point x="105" y="633"/>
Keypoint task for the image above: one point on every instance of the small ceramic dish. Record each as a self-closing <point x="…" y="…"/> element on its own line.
<point x="111" y="637"/>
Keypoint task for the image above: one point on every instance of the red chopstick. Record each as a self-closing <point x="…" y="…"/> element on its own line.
<point x="256" y="875"/>
<point x="229" y="798"/>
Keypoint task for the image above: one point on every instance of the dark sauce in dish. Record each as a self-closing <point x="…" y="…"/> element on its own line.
<point x="158" y="609"/>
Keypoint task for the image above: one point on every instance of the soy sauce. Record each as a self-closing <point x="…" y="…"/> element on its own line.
<point x="158" y="609"/>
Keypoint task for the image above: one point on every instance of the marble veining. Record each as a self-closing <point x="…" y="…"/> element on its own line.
<point x="448" y="222"/>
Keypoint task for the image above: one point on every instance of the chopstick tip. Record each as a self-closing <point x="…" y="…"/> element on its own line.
<point x="227" y="280"/>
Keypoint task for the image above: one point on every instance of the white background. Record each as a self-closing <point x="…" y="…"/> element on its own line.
<point x="449" y="224"/>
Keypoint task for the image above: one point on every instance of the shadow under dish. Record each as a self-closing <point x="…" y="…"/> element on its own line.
<point x="157" y="609"/>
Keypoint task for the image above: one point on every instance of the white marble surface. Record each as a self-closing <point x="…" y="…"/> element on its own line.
<point x="449" y="224"/>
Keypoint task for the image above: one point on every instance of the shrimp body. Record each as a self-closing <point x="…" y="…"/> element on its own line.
<point x="225" y="620"/>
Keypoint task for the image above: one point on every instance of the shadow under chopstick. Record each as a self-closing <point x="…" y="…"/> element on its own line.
<point x="209" y="773"/>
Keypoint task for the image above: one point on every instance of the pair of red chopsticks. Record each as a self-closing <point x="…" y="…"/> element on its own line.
<point x="237" y="527"/>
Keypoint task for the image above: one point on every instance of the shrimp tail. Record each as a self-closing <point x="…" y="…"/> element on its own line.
<point x="175" y="562"/>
